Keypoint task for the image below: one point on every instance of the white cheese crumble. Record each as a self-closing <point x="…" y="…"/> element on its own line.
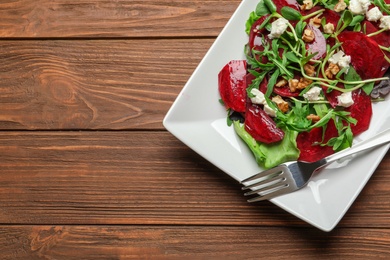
<point x="267" y="109"/>
<point x="385" y="22"/>
<point x="341" y="59"/>
<point x="278" y="27"/>
<point x="313" y="94"/>
<point x="359" y="6"/>
<point x="345" y="99"/>
<point x="259" y="99"/>
<point x="374" y="14"/>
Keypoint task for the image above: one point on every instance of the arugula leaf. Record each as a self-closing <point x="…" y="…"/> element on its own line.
<point x="271" y="82"/>
<point x="256" y="82"/>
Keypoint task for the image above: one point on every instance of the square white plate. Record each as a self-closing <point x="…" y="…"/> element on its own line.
<point x="199" y="120"/>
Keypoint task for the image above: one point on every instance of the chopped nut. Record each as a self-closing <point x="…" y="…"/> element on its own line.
<point x="315" y="22"/>
<point x="307" y="5"/>
<point x="332" y="70"/>
<point x="308" y="35"/>
<point x="292" y="84"/>
<point x="313" y="118"/>
<point x="329" y="28"/>
<point x="309" y="69"/>
<point x="303" y="83"/>
<point x="340" y="6"/>
<point x="281" y="83"/>
<point x="282" y="105"/>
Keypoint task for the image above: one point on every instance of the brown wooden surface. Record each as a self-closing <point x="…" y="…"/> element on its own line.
<point x="87" y="170"/>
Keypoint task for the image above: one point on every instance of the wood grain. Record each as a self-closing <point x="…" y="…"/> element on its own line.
<point x="119" y="18"/>
<point x="87" y="170"/>
<point x="140" y="178"/>
<point x="151" y="242"/>
<point x="94" y="84"/>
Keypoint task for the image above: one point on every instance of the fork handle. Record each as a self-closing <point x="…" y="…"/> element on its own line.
<point x="375" y="141"/>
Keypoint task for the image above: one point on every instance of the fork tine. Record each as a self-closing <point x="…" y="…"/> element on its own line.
<point x="264" y="183"/>
<point x="273" y="186"/>
<point x="283" y="190"/>
<point x="264" y="174"/>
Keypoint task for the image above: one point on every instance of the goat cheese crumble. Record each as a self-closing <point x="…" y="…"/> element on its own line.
<point x="259" y="99"/>
<point x="374" y="14"/>
<point x="313" y="94"/>
<point x="359" y="6"/>
<point x="345" y="99"/>
<point x="340" y="59"/>
<point x="278" y="27"/>
<point x="385" y="22"/>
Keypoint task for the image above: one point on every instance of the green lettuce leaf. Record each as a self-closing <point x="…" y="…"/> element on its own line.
<point x="270" y="155"/>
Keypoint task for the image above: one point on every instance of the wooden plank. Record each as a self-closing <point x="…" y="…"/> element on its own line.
<point x="107" y="18"/>
<point x="93" y="84"/>
<point x="154" y="242"/>
<point x="140" y="178"/>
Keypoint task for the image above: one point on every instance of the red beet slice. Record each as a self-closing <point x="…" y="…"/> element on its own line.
<point x="232" y="85"/>
<point x="255" y="35"/>
<point x="361" y="110"/>
<point x="331" y="17"/>
<point x="366" y="56"/>
<point x="382" y="39"/>
<point x="261" y="126"/>
<point x="332" y="95"/>
<point x="285" y="92"/>
<point x="309" y="152"/>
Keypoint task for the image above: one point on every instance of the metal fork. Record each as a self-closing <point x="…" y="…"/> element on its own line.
<point x="292" y="176"/>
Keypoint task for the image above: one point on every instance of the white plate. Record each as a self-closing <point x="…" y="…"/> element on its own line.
<point x="199" y="120"/>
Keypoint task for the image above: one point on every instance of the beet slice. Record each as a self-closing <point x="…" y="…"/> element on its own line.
<point x="382" y="39"/>
<point x="317" y="46"/>
<point x="366" y="56"/>
<point x="285" y="92"/>
<point x="255" y="35"/>
<point x="332" y="95"/>
<point x="232" y="85"/>
<point x="361" y="110"/>
<point x="309" y="152"/>
<point x="331" y="17"/>
<point x="261" y="126"/>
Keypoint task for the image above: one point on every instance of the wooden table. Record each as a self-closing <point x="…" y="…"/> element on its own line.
<point x="88" y="170"/>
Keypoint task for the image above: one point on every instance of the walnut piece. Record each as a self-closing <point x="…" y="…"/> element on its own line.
<point x="340" y="6"/>
<point x="309" y="70"/>
<point x="282" y="105"/>
<point x="281" y="83"/>
<point x="307" y="5"/>
<point x="308" y="35"/>
<point x="315" y="22"/>
<point x="313" y="118"/>
<point x="292" y="84"/>
<point x="332" y="70"/>
<point x="303" y="83"/>
<point x="329" y="28"/>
